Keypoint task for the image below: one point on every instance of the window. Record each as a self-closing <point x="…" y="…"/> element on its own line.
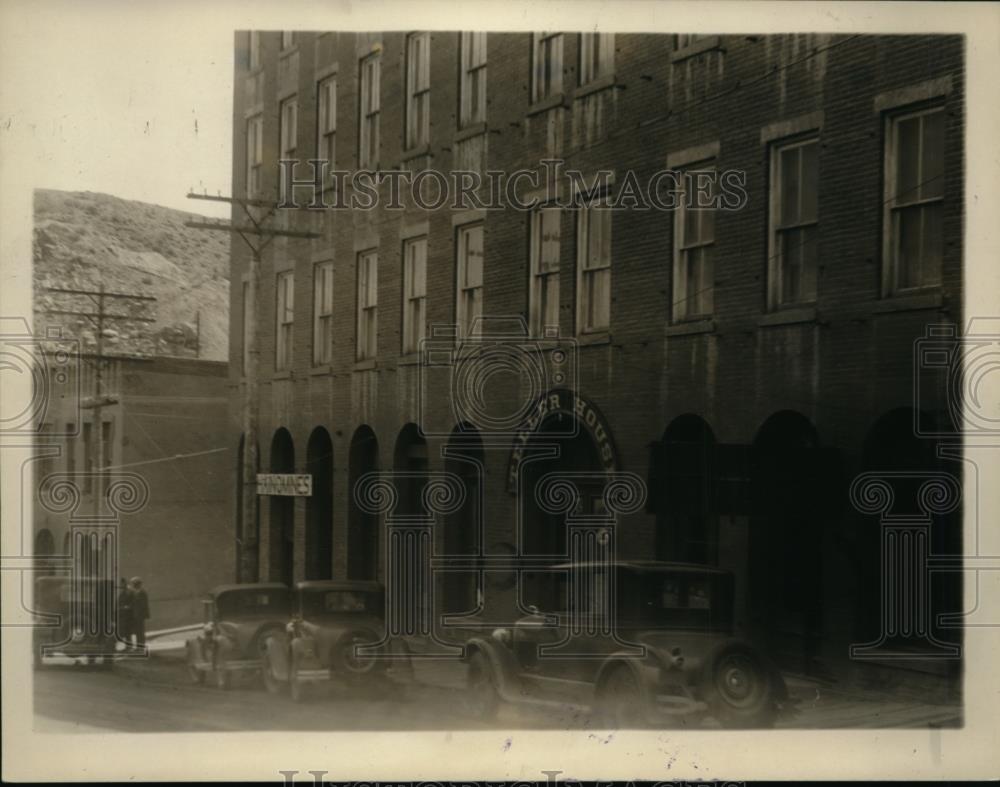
<point x="473" y="80"/>
<point x="288" y="135"/>
<point x="106" y="446"/>
<point x="88" y="457"/>
<point x="792" y="253"/>
<point x="414" y="293"/>
<point x="685" y="40"/>
<point x="287" y="39"/>
<point x="71" y="449"/>
<point x="285" y="317"/>
<point x="593" y="264"/>
<point x="694" y="244"/>
<point x="246" y="327"/>
<point x="597" y="56"/>
<point x="326" y="134"/>
<point x="368" y="145"/>
<point x="367" y="305"/>
<point x="547" y="78"/>
<point x="418" y="89"/>
<point x="914" y="200"/>
<point x="543" y="304"/>
<point x="254" y="49"/>
<point x="322" y="313"/>
<point x="255" y="154"/>
<point x="469" y="307"/>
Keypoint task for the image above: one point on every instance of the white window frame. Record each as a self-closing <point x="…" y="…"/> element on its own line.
<point x="254" y="47"/>
<point x="546" y="263"/>
<point x="255" y="154"/>
<point x="288" y="133"/>
<point x="414" y="293"/>
<point x="284" y="333"/>
<point x="370" y="108"/>
<point x="367" y="305"/>
<point x="593" y="266"/>
<point x="322" y="313"/>
<point x="418" y="90"/>
<point x="681" y="249"/>
<point x="597" y="56"/>
<point x="472" y="100"/>
<point x="287" y="39"/>
<point x="326" y="121"/>
<point x="893" y="202"/>
<point x="546" y="66"/>
<point x="777" y="297"/>
<point x="468" y="293"/>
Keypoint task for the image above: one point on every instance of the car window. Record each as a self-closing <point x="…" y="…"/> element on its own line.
<point x="253" y="602"/>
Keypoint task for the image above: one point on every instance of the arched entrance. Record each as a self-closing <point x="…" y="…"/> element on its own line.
<point x="319" y="507"/>
<point x="281" y="544"/>
<point x="362" y="527"/>
<point x="463" y="527"/>
<point x="786" y="541"/>
<point x="409" y="460"/>
<point x="687" y="526"/>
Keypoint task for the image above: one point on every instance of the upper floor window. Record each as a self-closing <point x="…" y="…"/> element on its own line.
<point x="368" y="144"/>
<point x="418" y="89"/>
<point x="322" y="313"/>
<point x="694" y="243"/>
<point x="255" y="154"/>
<point x="414" y="293"/>
<point x="543" y="301"/>
<point x="367" y="346"/>
<point x="597" y="56"/>
<point x="254" y="49"/>
<point x="473" y="79"/>
<point x="285" y="319"/>
<point x="287" y="39"/>
<point x="547" y="62"/>
<point x="326" y="122"/>
<point x="469" y="307"/>
<point x="684" y="40"/>
<point x="793" y="252"/>
<point x="593" y="265"/>
<point x="288" y="133"/>
<point x="914" y="200"/>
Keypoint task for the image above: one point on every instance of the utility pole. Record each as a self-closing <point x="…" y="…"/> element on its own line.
<point x="98" y="318"/>
<point x="257" y="236"/>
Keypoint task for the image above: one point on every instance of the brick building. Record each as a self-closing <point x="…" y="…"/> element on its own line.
<point x="747" y="363"/>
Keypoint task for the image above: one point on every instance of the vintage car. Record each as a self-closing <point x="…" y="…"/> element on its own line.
<point x="238" y="620"/>
<point x="77" y="620"/>
<point x="670" y="658"/>
<point x="330" y="621"/>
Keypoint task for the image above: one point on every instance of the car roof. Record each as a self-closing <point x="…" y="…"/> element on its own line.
<point x="647" y="565"/>
<point x="218" y="590"/>
<point x="340" y="584"/>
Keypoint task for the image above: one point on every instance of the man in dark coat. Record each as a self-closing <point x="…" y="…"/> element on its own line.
<point x="140" y="611"/>
<point x="125" y="613"/>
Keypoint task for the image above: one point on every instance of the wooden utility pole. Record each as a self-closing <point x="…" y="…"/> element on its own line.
<point x="98" y="318"/>
<point x="257" y="236"/>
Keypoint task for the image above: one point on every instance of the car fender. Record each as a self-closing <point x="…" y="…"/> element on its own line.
<point x="277" y="656"/>
<point x="225" y="649"/>
<point x="502" y="663"/>
<point x="645" y="670"/>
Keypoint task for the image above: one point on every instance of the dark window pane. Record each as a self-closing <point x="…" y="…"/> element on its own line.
<point x="932" y="158"/>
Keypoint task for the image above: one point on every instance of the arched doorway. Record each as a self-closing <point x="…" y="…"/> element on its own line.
<point x="463" y="527"/>
<point x="687" y="526"/>
<point x="45" y="544"/>
<point x="281" y="546"/>
<point x="786" y="541"/>
<point x="409" y="460"/>
<point x="362" y="527"/>
<point x="319" y="507"/>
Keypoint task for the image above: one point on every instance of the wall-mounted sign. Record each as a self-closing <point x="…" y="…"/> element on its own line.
<point x="286" y="484"/>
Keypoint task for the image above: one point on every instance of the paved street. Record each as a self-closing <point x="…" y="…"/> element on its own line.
<point x="156" y="696"/>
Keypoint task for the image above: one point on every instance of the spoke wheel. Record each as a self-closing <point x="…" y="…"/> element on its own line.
<point x="739" y="690"/>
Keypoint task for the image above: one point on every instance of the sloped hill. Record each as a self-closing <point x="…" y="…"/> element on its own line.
<point x="84" y="239"/>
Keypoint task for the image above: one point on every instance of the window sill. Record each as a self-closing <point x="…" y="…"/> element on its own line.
<point x="791" y="316"/>
<point x="696" y="48"/>
<point x="470" y="131"/>
<point x="595" y="86"/>
<point x="690" y="328"/>
<point x="417" y="152"/>
<point x="320" y="370"/>
<point x="366" y="365"/>
<point x="283" y="53"/>
<point x="409" y="359"/>
<point x="283" y="374"/>
<point x="546" y="104"/>
<point x="909" y="302"/>
<point x="593" y="339"/>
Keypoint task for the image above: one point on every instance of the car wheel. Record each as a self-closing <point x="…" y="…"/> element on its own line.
<point x="620" y="701"/>
<point x="482" y="696"/>
<point x="739" y="690"/>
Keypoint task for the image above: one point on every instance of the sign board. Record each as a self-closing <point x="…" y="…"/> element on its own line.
<point x="286" y="484"/>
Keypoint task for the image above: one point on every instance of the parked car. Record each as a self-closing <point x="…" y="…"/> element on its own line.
<point x="676" y="658"/>
<point x="330" y="619"/>
<point x="78" y="620"/>
<point x="238" y="620"/>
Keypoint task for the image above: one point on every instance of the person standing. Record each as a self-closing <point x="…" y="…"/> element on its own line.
<point x="140" y="611"/>
<point x="125" y="613"/>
